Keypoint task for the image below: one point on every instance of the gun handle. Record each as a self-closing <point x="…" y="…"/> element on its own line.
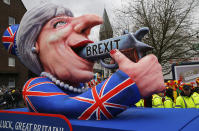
<point x="130" y="53"/>
<point x="109" y="66"/>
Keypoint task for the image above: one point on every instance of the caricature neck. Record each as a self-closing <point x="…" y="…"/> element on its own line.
<point x="64" y="85"/>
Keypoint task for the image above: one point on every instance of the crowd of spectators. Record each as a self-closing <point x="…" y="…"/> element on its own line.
<point x="176" y="95"/>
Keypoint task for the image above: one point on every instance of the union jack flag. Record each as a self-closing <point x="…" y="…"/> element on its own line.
<point x="101" y="100"/>
<point x="29" y="91"/>
<point x="8" y="39"/>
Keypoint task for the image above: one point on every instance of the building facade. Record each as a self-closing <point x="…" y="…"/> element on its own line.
<point x="105" y="32"/>
<point x="12" y="73"/>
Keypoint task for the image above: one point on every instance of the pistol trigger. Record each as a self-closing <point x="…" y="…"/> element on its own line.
<point x="109" y="66"/>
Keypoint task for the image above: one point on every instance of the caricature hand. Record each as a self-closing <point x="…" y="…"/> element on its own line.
<point x="147" y="72"/>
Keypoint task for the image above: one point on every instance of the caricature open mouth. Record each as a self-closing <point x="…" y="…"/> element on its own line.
<point x="80" y="45"/>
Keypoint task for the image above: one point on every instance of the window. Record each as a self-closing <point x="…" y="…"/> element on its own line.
<point x="11" y="20"/>
<point x="7" y="2"/>
<point x="11" y="82"/>
<point x="11" y="62"/>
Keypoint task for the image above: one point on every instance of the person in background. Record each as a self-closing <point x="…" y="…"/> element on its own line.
<point x="140" y="103"/>
<point x="17" y="98"/>
<point x="148" y="102"/>
<point x="186" y="99"/>
<point x="169" y="99"/>
<point x="157" y="101"/>
<point x="195" y="96"/>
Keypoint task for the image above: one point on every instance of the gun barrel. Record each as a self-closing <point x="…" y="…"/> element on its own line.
<point x="101" y="49"/>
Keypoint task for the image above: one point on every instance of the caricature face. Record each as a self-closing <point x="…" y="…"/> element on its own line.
<point x="56" y="43"/>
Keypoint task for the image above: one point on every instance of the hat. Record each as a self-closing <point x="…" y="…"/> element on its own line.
<point x="20" y="39"/>
<point x="186" y="87"/>
<point x="9" y="39"/>
<point x="197" y="80"/>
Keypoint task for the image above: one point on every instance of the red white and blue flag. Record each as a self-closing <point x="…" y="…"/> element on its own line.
<point x="8" y="39"/>
<point x="104" y="101"/>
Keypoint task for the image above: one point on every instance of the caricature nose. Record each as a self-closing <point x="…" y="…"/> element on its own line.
<point x="84" y="23"/>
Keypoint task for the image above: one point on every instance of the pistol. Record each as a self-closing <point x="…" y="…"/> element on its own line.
<point x="126" y="43"/>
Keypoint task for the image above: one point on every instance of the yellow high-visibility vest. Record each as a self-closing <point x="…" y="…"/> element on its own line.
<point x="140" y="103"/>
<point x="168" y="103"/>
<point x="195" y="97"/>
<point x="184" y="102"/>
<point x="157" y="101"/>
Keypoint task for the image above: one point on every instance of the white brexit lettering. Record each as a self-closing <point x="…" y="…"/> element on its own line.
<point x="101" y="48"/>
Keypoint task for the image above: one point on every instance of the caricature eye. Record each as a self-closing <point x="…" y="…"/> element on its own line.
<point x="59" y="23"/>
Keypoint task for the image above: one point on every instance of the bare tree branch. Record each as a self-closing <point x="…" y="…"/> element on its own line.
<point x="170" y="24"/>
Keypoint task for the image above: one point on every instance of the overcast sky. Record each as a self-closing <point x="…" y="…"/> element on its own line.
<point x="80" y="7"/>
